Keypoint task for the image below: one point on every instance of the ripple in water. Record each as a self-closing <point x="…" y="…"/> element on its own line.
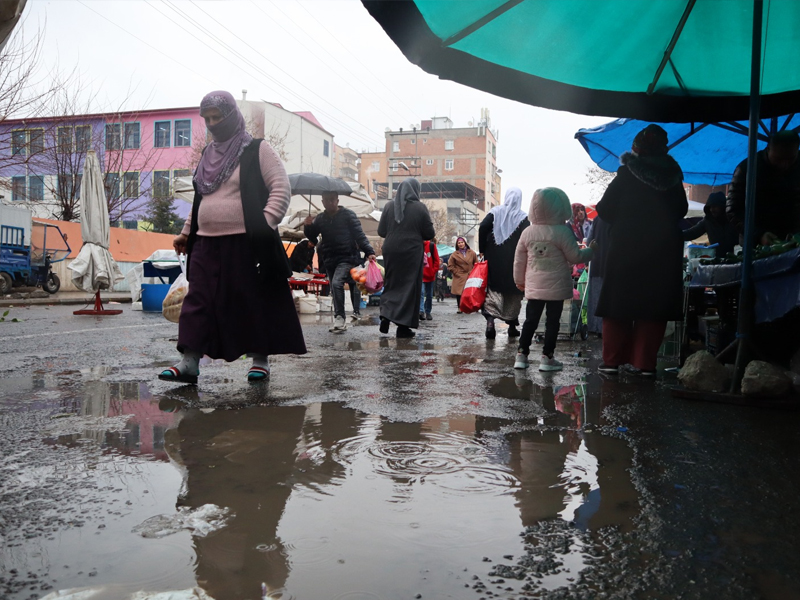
<point x="454" y="463"/>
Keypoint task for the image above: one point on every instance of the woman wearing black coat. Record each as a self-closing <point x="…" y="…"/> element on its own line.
<point x="643" y="283"/>
<point x="498" y="235"/>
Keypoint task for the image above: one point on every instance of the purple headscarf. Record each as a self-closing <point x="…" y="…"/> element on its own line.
<point x="230" y="139"/>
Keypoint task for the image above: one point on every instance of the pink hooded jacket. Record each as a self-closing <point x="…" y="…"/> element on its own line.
<point x="547" y="248"/>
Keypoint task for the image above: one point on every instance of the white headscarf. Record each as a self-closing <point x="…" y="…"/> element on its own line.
<point x="508" y="216"/>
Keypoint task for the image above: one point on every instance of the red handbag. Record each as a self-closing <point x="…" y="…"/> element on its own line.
<point x="474" y="294"/>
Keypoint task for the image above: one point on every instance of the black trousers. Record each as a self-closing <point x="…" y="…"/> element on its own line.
<point x="533" y="313"/>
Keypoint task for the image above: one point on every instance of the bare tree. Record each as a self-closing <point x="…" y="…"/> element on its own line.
<point x="445" y="229"/>
<point x="599" y="179"/>
<point x="24" y="91"/>
<point x="73" y="129"/>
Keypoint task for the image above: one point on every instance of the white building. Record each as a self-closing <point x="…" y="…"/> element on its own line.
<point x="305" y="146"/>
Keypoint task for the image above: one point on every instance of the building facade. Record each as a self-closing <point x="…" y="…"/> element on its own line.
<point x="435" y="152"/>
<point x="345" y="163"/>
<point x="141" y="153"/>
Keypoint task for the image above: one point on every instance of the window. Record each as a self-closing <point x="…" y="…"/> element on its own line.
<point x="36" y="141"/>
<point x="65" y="139"/>
<point x="183" y="133"/>
<point x="83" y="137"/>
<point x="395" y="146"/>
<point x="130" y="182"/>
<point x="429" y="161"/>
<point x="160" y="184"/>
<point x="113" y="136"/>
<point x="36" y="188"/>
<point x="161" y="138"/>
<point x="424" y="140"/>
<point x="448" y="164"/>
<point x="112" y="185"/>
<point x="19" y="142"/>
<point x="394" y="166"/>
<point x="132" y="136"/>
<point x="449" y="144"/>
<point x="376" y="166"/>
<point x="69" y="186"/>
<point x="18" y="191"/>
<point x="326" y="149"/>
<point x="413" y="141"/>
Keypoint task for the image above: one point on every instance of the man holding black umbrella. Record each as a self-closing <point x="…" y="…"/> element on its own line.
<point x="344" y="240"/>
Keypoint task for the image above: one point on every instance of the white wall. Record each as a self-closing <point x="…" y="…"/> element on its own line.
<point x="304" y="141"/>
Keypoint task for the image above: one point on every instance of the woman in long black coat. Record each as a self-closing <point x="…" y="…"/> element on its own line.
<point x="643" y="283"/>
<point x="406" y="224"/>
<point x="498" y="235"/>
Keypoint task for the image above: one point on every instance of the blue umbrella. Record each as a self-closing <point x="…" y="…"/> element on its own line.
<point x="708" y="153"/>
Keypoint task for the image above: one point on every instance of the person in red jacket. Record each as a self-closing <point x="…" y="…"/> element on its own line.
<point x="430" y="266"/>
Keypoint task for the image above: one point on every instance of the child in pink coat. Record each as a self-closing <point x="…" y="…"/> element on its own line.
<point x="542" y="269"/>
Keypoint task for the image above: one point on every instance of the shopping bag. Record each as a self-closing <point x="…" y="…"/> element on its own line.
<point x="374" y="281"/>
<point x="173" y="302"/>
<point x="474" y="294"/>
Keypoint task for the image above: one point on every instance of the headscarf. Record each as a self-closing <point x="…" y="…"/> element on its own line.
<point x="407" y="191"/>
<point x="650" y="141"/>
<point x="574" y="223"/>
<point x="221" y="157"/>
<point x="465" y="248"/>
<point x="508" y="216"/>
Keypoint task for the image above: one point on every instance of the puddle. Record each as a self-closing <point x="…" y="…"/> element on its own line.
<point x="319" y="501"/>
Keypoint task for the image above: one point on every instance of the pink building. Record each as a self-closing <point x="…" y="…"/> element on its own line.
<point x="141" y="152"/>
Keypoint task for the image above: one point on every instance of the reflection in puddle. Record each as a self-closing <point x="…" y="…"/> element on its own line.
<point x="329" y="502"/>
<point x="325" y="496"/>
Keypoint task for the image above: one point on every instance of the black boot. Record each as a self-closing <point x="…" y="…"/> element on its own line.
<point x="404" y="332"/>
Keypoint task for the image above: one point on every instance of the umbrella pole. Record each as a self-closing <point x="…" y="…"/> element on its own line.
<point x="744" y="331"/>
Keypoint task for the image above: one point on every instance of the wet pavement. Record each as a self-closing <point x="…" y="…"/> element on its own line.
<point x="377" y="468"/>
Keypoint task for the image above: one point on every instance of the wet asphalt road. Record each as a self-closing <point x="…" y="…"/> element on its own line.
<point x="498" y="483"/>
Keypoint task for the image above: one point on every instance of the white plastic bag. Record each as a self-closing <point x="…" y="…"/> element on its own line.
<point x="173" y="302"/>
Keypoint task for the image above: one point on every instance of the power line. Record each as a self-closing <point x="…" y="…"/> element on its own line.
<point x="244" y="58"/>
<point x="325" y="50"/>
<point x="336" y="37"/>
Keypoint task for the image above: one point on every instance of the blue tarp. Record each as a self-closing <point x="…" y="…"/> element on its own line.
<point x="708" y="153"/>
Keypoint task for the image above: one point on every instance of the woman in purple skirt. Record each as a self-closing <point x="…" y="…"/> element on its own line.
<point x="239" y="300"/>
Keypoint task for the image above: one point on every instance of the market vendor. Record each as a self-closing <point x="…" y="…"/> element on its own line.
<point x="777" y="210"/>
<point x="715" y="225"/>
<point x="302" y="258"/>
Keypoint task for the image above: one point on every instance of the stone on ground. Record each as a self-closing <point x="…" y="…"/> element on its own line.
<point x="764" y="379"/>
<point x="703" y="373"/>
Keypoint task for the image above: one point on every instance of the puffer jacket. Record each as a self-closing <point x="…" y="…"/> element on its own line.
<point x="547" y="248"/>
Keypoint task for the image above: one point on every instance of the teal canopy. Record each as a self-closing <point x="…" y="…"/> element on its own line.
<point x="655" y="60"/>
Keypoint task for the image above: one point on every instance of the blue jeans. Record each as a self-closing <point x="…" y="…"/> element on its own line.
<point x="426" y="298"/>
<point x="338" y="277"/>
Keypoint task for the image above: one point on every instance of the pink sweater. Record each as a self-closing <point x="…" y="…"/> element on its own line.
<point x="221" y="212"/>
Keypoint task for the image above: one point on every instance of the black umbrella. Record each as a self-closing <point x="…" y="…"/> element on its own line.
<point x="313" y="183"/>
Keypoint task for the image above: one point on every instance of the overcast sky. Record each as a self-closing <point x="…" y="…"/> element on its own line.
<point x="326" y="56"/>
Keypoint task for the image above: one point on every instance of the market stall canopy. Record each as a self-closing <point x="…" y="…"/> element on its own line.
<point x="94" y="269"/>
<point x="661" y="60"/>
<point x="708" y="153"/>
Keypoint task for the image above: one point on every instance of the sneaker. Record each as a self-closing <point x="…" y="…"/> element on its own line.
<point x="549" y="364"/>
<point x="513" y="331"/>
<point x="421" y="316"/>
<point x="355" y="316"/>
<point x="338" y="324"/>
<point x="428" y="316"/>
<point x="608" y="369"/>
<point x="521" y="361"/>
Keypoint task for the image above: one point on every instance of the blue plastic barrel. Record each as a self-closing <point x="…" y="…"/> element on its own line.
<point x="153" y="295"/>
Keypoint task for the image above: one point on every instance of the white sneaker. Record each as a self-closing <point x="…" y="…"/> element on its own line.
<point x="338" y="324"/>
<point x="521" y="361"/>
<point x="549" y="364"/>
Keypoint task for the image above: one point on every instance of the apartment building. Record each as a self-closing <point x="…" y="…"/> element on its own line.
<point x="141" y="153"/>
<point x="345" y="163"/>
<point x="436" y="151"/>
